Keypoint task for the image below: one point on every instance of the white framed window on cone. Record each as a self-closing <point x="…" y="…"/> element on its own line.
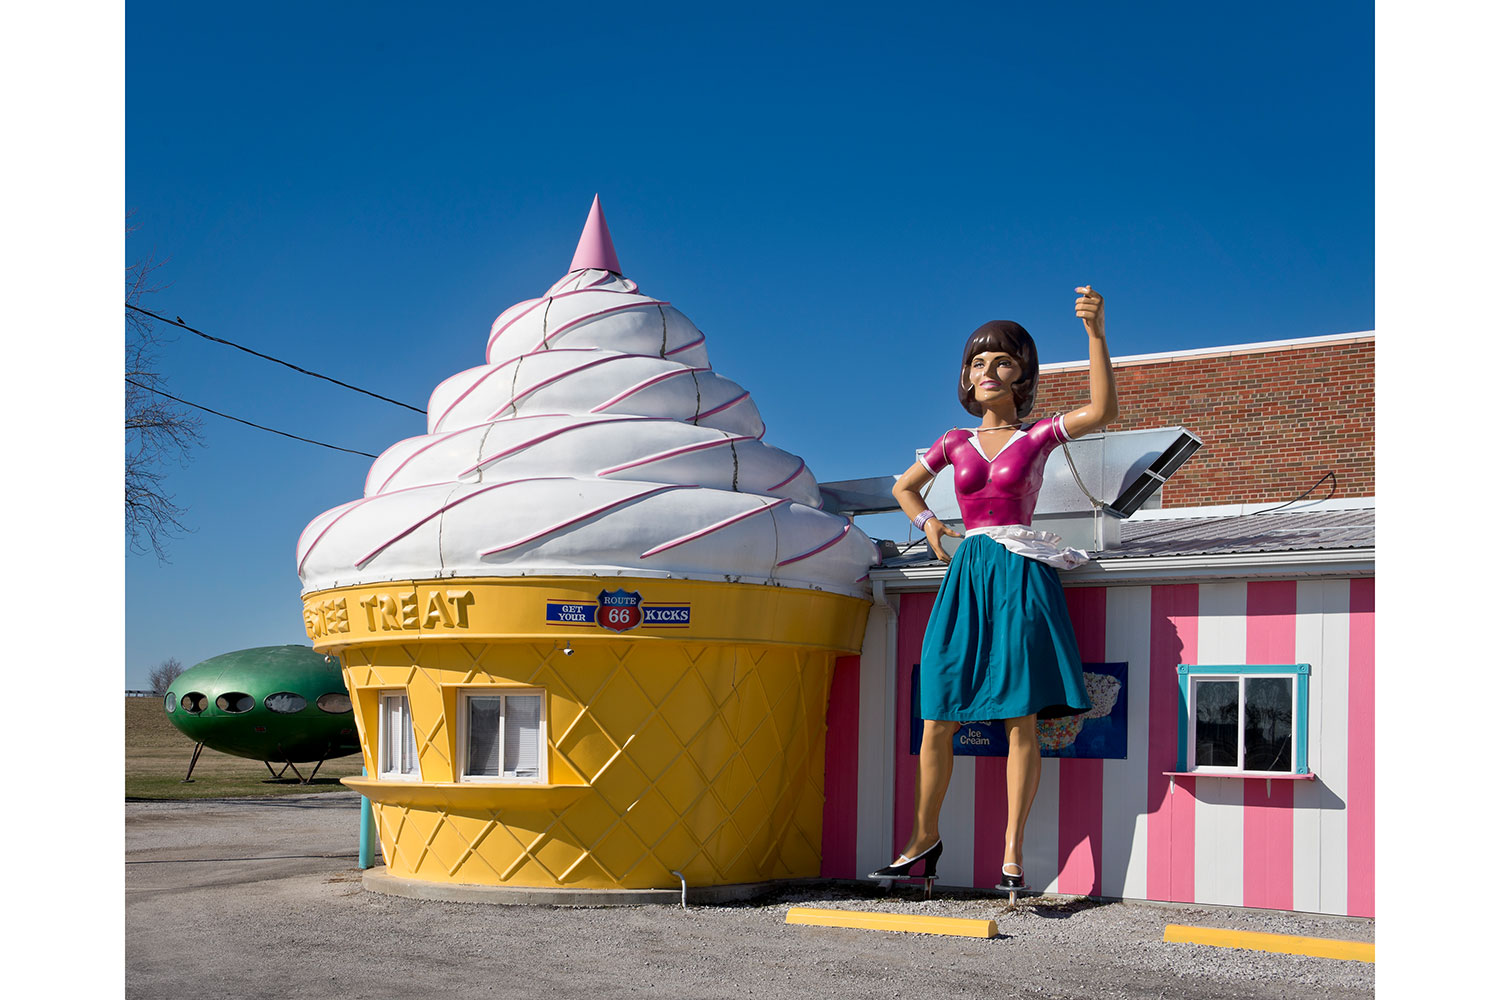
<point x="397" y="749"/>
<point x="502" y="735"/>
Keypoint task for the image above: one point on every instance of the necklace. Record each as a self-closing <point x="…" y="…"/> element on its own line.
<point x="1002" y="427"/>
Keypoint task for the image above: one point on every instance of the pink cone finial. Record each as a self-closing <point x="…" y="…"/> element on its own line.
<point x="595" y="248"/>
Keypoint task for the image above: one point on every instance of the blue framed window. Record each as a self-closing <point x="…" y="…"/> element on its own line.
<point x="1242" y="718"/>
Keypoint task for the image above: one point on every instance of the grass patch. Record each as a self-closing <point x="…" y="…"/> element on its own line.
<point x="157" y="757"/>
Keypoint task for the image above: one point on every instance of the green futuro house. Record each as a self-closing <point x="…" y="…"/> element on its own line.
<point x="272" y="703"/>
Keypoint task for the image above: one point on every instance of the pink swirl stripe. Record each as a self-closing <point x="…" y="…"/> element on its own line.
<point x="795" y="473"/>
<point x="564" y="374"/>
<point x="344" y="510"/>
<point x="436" y="440"/>
<point x="582" y="273"/>
<point x="495" y="334"/>
<point x="688" y="346"/>
<point x="723" y="406"/>
<point x="662" y="456"/>
<point x="812" y="552"/>
<point x="713" y="527"/>
<point x="530" y="442"/>
<point x="583" y="517"/>
<point x="494" y="370"/>
<point x="570" y="324"/>
<point x="360" y="564"/>
<point x="642" y="385"/>
<point x="508" y="323"/>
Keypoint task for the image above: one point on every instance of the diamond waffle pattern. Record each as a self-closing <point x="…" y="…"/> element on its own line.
<point x="707" y="759"/>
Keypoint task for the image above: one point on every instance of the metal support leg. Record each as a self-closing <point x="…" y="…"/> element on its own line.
<point x="314" y="774"/>
<point x="193" y="763"/>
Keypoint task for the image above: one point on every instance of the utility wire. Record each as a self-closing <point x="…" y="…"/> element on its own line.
<point x="1174" y="528"/>
<point x="230" y="343"/>
<point x="1331" y="491"/>
<point x="238" y="420"/>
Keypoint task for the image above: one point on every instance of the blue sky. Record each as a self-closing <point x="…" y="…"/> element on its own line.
<point x="835" y="197"/>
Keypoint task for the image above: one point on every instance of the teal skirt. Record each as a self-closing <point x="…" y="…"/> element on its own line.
<point x="999" y="642"/>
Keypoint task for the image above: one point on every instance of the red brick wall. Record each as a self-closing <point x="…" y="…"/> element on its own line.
<point x="1272" y="420"/>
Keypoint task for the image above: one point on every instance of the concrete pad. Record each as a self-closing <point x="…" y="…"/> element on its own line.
<point x="378" y="879"/>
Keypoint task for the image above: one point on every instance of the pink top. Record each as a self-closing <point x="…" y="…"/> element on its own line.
<point x="1003" y="489"/>
<point x="595" y="248"/>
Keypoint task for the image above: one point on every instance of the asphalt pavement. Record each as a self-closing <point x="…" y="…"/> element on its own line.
<point x="264" y="898"/>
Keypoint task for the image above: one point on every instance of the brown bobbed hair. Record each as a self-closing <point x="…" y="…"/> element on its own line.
<point x="1012" y="338"/>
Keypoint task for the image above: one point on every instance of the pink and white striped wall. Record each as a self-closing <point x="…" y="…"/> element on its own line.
<point x="1121" y="828"/>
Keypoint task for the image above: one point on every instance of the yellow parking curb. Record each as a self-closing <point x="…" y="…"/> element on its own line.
<point x="1289" y="944"/>
<point x="957" y="926"/>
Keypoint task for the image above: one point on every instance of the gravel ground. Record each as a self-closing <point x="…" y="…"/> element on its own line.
<point x="262" y="898"/>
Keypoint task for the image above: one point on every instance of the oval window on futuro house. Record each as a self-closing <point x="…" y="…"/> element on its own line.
<point x="335" y="703"/>
<point x="285" y="702"/>
<point x="170" y="703"/>
<point x="235" y="702"/>
<point x="194" y="702"/>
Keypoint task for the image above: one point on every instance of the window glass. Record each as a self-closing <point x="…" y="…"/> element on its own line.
<point x="1268" y="723"/>
<point x="235" y="702"/>
<point x="1218" y="723"/>
<point x="285" y="702"/>
<point x="523" y="719"/>
<point x="170" y="702"/>
<point x="484" y="736"/>
<point x="335" y="703"/>
<point x="194" y="702"/>
<point x="398" y="743"/>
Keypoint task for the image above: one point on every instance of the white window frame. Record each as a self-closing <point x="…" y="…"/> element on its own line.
<point x="399" y="704"/>
<point x="1190" y="676"/>
<point x="463" y="735"/>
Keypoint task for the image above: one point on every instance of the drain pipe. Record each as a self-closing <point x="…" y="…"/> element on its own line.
<point x="683" y="879"/>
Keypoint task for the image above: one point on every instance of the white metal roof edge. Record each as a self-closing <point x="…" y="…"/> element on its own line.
<point x="1237" y="509"/>
<point x="1178" y="569"/>
<point x="1202" y="352"/>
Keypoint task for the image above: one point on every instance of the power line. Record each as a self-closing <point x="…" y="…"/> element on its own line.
<point x="230" y="343"/>
<point x="246" y="422"/>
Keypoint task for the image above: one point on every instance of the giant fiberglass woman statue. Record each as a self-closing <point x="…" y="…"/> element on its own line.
<point x="999" y="643"/>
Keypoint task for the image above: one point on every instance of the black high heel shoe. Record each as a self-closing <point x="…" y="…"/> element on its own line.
<point x="1012" y="884"/>
<point x="901" y="867"/>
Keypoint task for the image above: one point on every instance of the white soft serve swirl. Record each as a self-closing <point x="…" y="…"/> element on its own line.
<point x="596" y="441"/>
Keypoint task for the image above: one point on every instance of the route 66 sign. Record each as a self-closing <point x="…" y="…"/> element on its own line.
<point x="619" y="610"/>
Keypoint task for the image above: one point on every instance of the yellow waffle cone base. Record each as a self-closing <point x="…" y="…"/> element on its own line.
<point x="696" y="749"/>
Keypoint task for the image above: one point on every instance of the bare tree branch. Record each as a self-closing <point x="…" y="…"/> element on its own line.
<point x="156" y="431"/>
<point x="162" y="676"/>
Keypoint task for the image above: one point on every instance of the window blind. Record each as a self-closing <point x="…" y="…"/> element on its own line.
<point x="409" y="740"/>
<point x="523" y="718"/>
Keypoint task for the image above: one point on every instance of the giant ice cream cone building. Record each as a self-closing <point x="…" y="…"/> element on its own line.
<point x="588" y="620"/>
